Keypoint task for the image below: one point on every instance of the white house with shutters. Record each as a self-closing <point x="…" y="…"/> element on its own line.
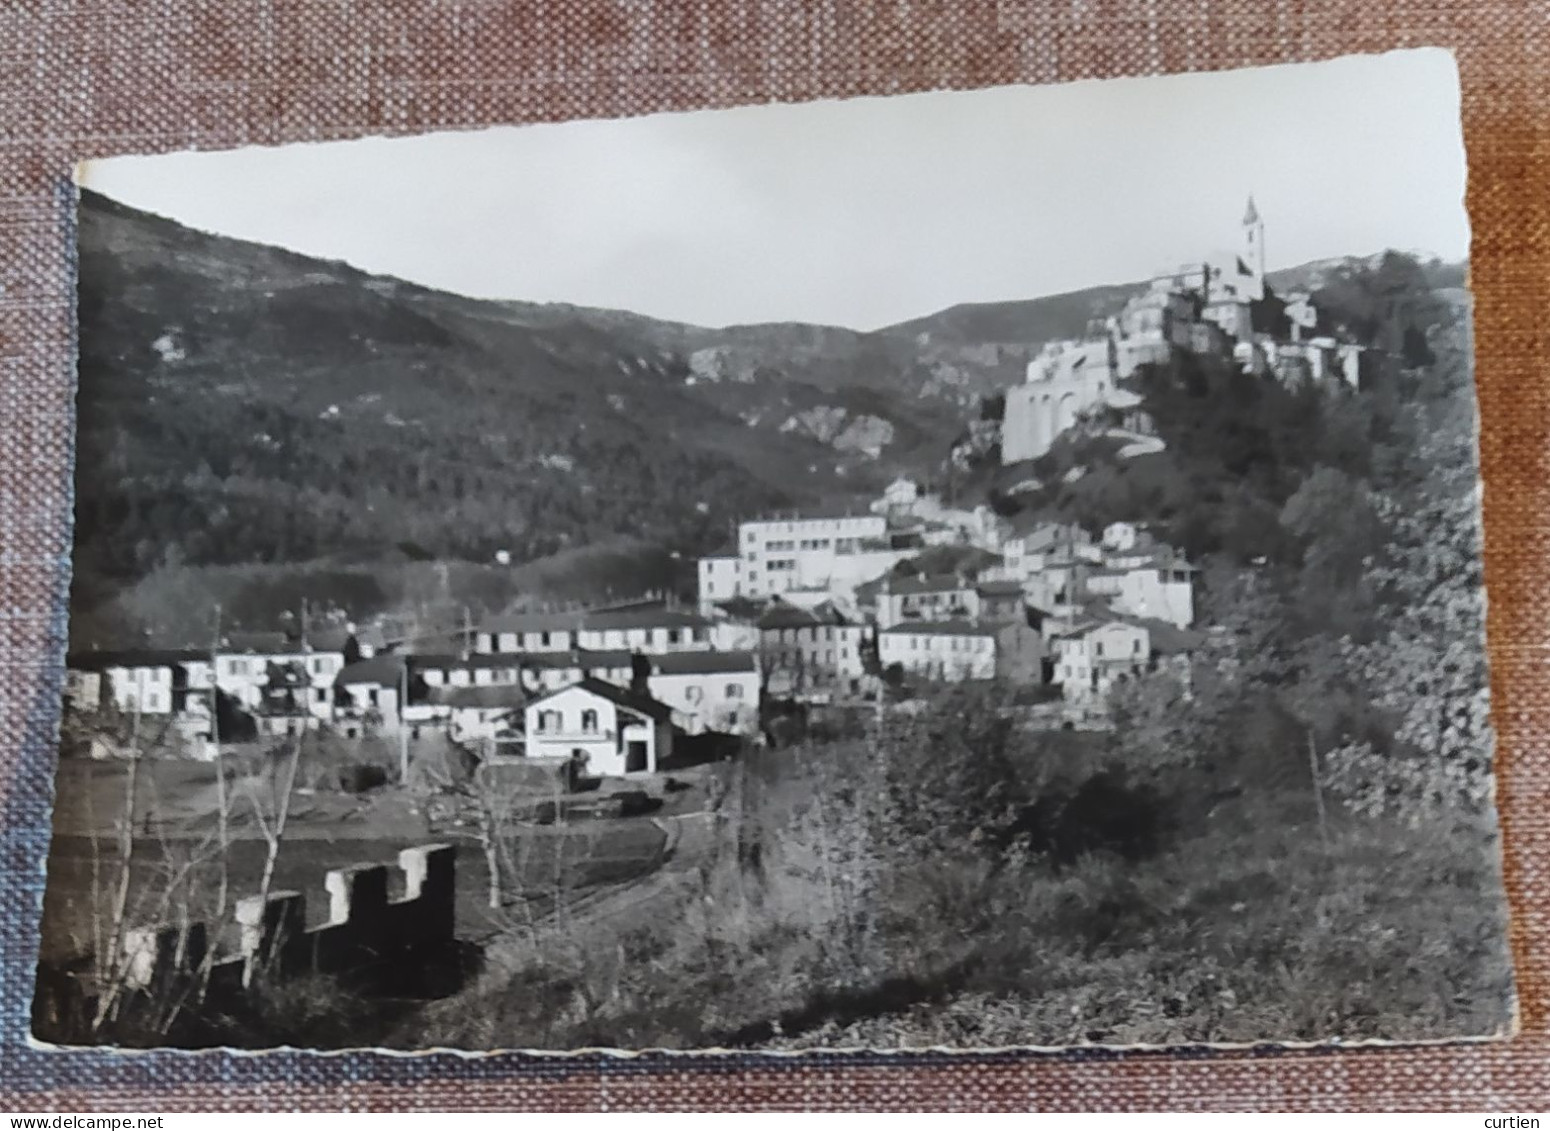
<point x="616" y="731"/>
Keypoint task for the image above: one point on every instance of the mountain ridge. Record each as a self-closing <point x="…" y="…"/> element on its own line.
<point x="246" y="403"/>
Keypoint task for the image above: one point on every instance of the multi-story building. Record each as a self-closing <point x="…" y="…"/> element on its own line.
<point x="1090" y="655"/>
<point x="718" y="581"/>
<point x="175" y="688"/>
<point x="369" y="696"/>
<point x="954" y="651"/>
<point x="1162" y="587"/>
<point x="646" y="630"/>
<point x="944" y="650"/>
<point x="132" y="682"/>
<point x="489" y="715"/>
<point x="926" y="598"/>
<point x="244" y="668"/>
<point x="708" y="691"/>
<point x="812" y="649"/>
<point x="477" y="669"/>
<point x="1000" y="601"/>
<point x="829" y="552"/>
<point x="1029" y="547"/>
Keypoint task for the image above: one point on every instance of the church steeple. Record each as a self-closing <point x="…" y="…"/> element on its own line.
<point x="1254" y="247"/>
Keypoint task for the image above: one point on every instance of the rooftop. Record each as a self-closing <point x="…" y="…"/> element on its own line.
<point x="619" y="696"/>
<point x="940" y="583"/>
<point x="595" y="620"/>
<point x="584" y="659"/>
<point x="818" y="514"/>
<point x="741" y="608"/>
<point x="940" y="628"/>
<point x="384" y="670"/>
<point x="474" y="661"/>
<point x="999" y="588"/>
<point x="135" y="658"/>
<point x="703" y="663"/>
<point x="793" y="616"/>
<point x="490" y="695"/>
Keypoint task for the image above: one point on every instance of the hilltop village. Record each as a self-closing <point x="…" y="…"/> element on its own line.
<point x="1218" y="306"/>
<point x="816" y="607"/>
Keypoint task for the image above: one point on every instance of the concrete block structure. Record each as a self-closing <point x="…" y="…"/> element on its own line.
<point x="367" y="937"/>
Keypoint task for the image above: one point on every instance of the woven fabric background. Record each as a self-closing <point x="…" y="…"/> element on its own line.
<point x="81" y="79"/>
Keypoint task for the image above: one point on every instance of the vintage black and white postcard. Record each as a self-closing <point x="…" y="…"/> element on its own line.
<point x="961" y="570"/>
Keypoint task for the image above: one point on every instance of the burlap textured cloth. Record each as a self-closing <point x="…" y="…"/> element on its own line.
<point x="81" y="79"/>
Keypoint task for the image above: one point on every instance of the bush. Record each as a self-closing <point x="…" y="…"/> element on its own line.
<point x="358" y="777"/>
<point x="1102" y="814"/>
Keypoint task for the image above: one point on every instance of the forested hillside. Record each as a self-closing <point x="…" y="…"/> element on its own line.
<point x="1238" y="448"/>
<point x="1295" y="844"/>
<point x="244" y="407"/>
<point x="243" y="404"/>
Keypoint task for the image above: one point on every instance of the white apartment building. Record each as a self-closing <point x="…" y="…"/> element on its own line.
<point x="834" y="552"/>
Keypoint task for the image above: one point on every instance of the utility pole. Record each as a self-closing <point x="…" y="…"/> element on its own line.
<point x="215" y="690"/>
<point x="403" y="731"/>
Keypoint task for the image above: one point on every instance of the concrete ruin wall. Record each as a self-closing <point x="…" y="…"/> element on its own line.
<point x="364" y="931"/>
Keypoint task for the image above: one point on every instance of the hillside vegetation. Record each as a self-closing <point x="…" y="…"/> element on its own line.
<point x="243" y="406"/>
<point x="250" y="418"/>
<point x="1301" y="847"/>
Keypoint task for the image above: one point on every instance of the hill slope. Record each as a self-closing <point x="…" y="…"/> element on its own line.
<point x="242" y="404"/>
<point x="239" y="403"/>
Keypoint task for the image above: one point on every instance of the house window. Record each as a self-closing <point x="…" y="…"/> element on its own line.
<point x="694" y="694"/>
<point x="1098" y="650"/>
<point x="371" y="696"/>
<point x="548" y="722"/>
<point x="589" y="722"/>
<point x="734" y="691"/>
<point x="672" y="636"/>
<point x="543" y="639"/>
<point x="320" y="695"/>
<point x="1135" y="647"/>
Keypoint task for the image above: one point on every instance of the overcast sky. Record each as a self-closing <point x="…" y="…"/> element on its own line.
<point x="865" y="212"/>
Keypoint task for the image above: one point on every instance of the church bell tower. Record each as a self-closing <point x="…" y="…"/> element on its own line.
<point x="1254" y="247"/>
